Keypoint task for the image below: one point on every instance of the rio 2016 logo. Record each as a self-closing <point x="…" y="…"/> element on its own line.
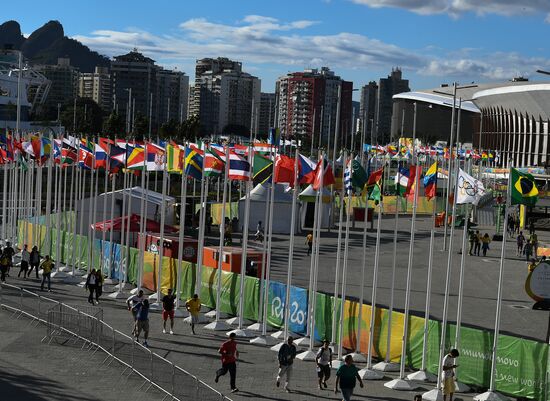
<point x="297" y="315"/>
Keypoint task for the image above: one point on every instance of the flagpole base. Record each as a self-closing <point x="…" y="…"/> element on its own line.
<point x="117" y="295"/>
<point x="306" y="356"/>
<point x="179" y="312"/>
<point x="110" y="281"/>
<point x="386" y="366"/>
<point x="201" y="319"/>
<point x="64" y="268"/>
<point x="305" y="341"/>
<point x="217" y="325"/>
<point x="490" y="396"/>
<point x="370" y="374"/>
<point x="212" y="314"/>
<point x="401" y="385"/>
<point x="423" y="376"/>
<point x="235" y="321"/>
<point x="58" y="274"/>
<point x="336" y="363"/>
<point x="241" y="333"/>
<point x="462" y="388"/>
<point x="155" y="307"/>
<point x="281" y="334"/>
<point x="258" y="326"/>
<point x="136" y="290"/>
<point x="358" y="357"/>
<point x="265" y="341"/>
<point x="71" y="279"/>
<point x="154" y="296"/>
<point x="433" y="395"/>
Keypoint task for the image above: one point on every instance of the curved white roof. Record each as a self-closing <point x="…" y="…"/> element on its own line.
<point x="437" y="99"/>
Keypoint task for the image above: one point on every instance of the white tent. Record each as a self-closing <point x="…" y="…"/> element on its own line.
<point x="282" y="208"/>
<point x="307" y="211"/>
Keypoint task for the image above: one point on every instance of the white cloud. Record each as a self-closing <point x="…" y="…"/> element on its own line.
<point x="265" y="43"/>
<point x="459" y="7"/>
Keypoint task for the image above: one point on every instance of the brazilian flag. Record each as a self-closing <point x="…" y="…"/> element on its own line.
<point x="524" y="190"/>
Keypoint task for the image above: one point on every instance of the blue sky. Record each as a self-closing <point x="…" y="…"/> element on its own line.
<point x="433" y="41"/>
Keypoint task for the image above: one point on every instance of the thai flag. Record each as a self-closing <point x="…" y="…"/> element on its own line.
<point x="239" y="168"/>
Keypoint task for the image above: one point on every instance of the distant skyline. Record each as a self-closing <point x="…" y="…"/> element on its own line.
<point x="432" y="41"/>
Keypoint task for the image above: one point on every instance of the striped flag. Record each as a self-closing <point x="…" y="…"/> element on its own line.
<point x="239" y="168"/>
<point x="213" y="163"/>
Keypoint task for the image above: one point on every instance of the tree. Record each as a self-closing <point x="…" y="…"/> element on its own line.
<point x="141" y="127"/>
<point x="114" y="125"/>
<point x="189" y="129"/>
<point x="169" y="129"/>
<point x="89" y="116"/>
<point x="236" y="130"/>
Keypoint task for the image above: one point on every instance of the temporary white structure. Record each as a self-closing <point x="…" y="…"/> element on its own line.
<point x="307" y="210"/>
<point x="282" y="208"/>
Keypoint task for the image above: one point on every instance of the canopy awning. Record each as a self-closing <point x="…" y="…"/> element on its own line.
<point x="134" y="222"/>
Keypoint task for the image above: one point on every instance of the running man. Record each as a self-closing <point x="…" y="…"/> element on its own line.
<point x="229" y="354"/>
<point x="133" y="303"/>
<point x="25" y="260"/>
<point x="448" y="374"/>
<point x="168" y="304"/>
<point x="193" y="306"/>
<point x="324" y="364"/>
<point x="286" y="356"/>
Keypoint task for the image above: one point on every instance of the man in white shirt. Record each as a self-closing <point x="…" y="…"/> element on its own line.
<point x="134" y="303"/>
<point x="448" y="374"/>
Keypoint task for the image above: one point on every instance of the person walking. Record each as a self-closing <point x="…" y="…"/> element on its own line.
<point x="3" y="266"/>
<point x="520" y="241"/>
<point x="533" y="239"/>
<point x="91" y="285"/>
<point x="477" y="244"/>
<point x="309" y="243"/>
<point x="98" y="285"/>
<point x="286" y="356"/>
<point x="347" y="376"/>
<point x="25" y="259"/>
<point x="142" y="321"/>
<point x="229" y="353"/>
<point x="9" y="252"/>
<point x="47" y="267"/>
<point x="324" y="364"/>
<point x="448" y="374"/>
<point x="193" y="306"/>
<point x="485" y="241"/>
<point x="34" y="261"/>
<point x="472" y="240"/>
<point x="168" y="304"/>
<point x="133" y="303"/>
<point x="528" y="251"/>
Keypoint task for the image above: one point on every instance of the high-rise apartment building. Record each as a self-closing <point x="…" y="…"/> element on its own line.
<point x="367" y="110"/>
<point x="308" y="104"/>
<point x="266" y="114"/>
<point x="387" y="87"/>
<point x="64" y="84"/>
<point x="173" y="87"/>
<point x="161" y="94"/>
<point x="97" y="86"/>
<point x="223" y="97"/>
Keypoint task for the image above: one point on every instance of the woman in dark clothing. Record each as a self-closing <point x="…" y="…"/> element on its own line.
<point x="98" y="285"/>
<point x="34" y="261"/>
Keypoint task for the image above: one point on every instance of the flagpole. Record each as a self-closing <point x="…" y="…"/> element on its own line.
<point x="104" y="212"/>
<point x="368" y="373"/>
<point x="490" y="394"/>
<point x="75" y="194"/>
<point x="4" y="200"/>
<point x="158" y="304"/>
<point x="268" y="264"/>
<point x="126" y="261"/>
<point x="94" y="212"/>
<point x="82" y="197"/>
<point x="423" y="374"/>
<point x="240" y="332"/>
<point x="181" y="237"/>
<point x="202" y="213"/>
<point x="217" y="324"/>
<point x="47" y="241"/>
<point x="387" y="365"/>
<point x="111" y="217"/>
<point x="142" y="220"/>
<point x="338" y="258"/>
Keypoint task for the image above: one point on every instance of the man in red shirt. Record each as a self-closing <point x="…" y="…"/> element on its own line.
<point x="229" y="354"/>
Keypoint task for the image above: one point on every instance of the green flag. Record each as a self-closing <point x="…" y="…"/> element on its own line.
<point x="262" y="169"/>
<point x="23" y="163"/>
<point x="359" y="176"/>
<point x="524" y="191"/>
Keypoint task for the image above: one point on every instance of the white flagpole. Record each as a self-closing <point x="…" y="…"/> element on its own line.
<point x="104" y="212"/>
<point x="357" y="355"/>
<point x="142" y="220"/>
<point x="158" y="304"/>
<point x="217" y="324"/>
<point x="82" y="197"/>
<point x="387" y="365"/>
<point x="38" y="203"/>
<point x="368" y="373"/>
<point x="423" y="374"/>
<point x="268" y="263"/>
<point x="126" y="259"/>
<point x="5" y="200"/>
<point x="181" y="238"/>
<point x="47" y="241"/>
<point x="90" y="219"/>
<point x="111" y="217"/>
<point x="490" y="394"/>
<point x="338" y="258"/>
<point x="240" y="332"/>
<point x="344" y="283"/>
<point x="77" y="192"/>
<point x="94" y="213"/>
<point x="202" y="212"/>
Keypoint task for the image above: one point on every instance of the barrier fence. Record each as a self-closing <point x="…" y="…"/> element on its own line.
<point x="522" y="365"/>
<point x="65" y="323"/>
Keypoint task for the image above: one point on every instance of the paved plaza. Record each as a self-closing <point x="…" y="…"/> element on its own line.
<point x="257" y="365"/>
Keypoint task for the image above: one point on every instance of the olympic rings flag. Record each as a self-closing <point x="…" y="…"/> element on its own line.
<point x="469" y="190"/>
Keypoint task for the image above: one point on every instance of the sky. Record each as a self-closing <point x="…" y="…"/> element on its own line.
<point x="432" y="41"/>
